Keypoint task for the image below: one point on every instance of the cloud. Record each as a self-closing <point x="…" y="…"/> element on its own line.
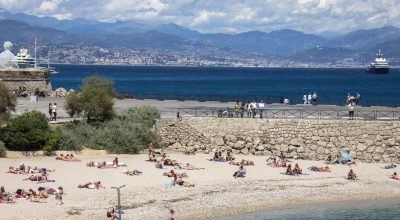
<point x="310" y="16"/>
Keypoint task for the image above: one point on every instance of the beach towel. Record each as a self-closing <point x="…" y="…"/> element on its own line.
<point x="169" y="184"/>
<point x="346" y="156"/>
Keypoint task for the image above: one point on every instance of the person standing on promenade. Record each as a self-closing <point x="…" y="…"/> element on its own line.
<point x="309" y="98"/>
<point x="242" y="109"/>
<point x="261" y="106"/>
<point x="314" y="98"/>
<point x="358" y="98"/>
<point x="54" y="110"/>
<point x="351" y="110"/>
<point x="50" y="111"/>
<point x="248" y="109"/>
<point x="305" y="98"/>
<point x="237" y="109"/>
<point x="254" y="108"/>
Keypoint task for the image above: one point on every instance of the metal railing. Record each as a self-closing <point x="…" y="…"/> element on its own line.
<point x="318" y="114"/>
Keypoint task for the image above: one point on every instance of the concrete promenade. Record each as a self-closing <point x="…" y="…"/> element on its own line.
<point x="169" y="108"/>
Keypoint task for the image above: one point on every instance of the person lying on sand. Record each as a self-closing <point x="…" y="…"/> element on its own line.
<point x="42" y="193"/>
<point x="189" y="166"/>
<point x="320" y="169"/>
<point x="40" y="178"/>
<point x="181" y="182"/>
<point x="111" y="213"/>
<point x="169" y="162"/>
<point x="240" y="173"/>
<point x="92" y="185"/>
<point x="395" y="176"/>
<point x="5" y="196"/>
<point x="351" y="175"/>
<point x="289" y="170"/>
<point x="297" y="170"/>
<point x="243" y="163"/>
<point x="68" y="158"/>
<point x="152" y="158"/>
<point x="159" y="165"/>
<point x="91" y="164"/>
<point x="34" y="197"/>
<point x="105" y="165"/>
<point x="134" y="172"/>
<point x="229" y="156"/>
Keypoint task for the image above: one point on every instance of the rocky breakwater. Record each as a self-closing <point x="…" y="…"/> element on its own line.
<point x="368" y="141"/>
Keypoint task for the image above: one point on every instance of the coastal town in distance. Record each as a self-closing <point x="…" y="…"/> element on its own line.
<point x="199" y="109"/>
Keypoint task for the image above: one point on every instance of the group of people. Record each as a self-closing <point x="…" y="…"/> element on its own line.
<point x="310" y="99"/>
<point x="31" y="195"/>
<point x="67" y="158"/>
<point x="103" y="165"/>
<point x="352" y="101"/>
<point x="53" y="111"/>
<point x="250" y="109"/>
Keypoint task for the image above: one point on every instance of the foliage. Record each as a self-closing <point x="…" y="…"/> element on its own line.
<point x="7" y="103"/>
<point x="73" y="105"/>
<point x="129" y="132"/>
<point x="53" y="140"/>
<point x="95" y="101"/>
<point x="27" y="132"/>
<point x="3" y="150"/>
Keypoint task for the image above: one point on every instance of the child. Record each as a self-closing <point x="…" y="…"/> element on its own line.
<point x="171" y="216"/>
<point x="59" y="194"/>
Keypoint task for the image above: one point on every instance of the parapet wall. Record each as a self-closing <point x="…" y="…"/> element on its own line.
<point x="31" y="79"/>
<point x="369" y="141"/>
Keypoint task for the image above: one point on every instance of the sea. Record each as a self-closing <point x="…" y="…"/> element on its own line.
<point x="239" y="84"/>
<point x="355" y="210"/>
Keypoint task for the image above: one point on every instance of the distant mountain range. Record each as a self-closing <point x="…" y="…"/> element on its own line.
<point x="360" y="46"/>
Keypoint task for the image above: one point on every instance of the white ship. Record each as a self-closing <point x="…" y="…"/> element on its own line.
<point x="380" y="66"/>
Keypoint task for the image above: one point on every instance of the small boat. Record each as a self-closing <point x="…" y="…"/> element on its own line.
<point x="380" y="66"/>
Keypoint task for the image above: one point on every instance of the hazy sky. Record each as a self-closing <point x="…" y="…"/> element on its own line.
<point x="312" y="16"/>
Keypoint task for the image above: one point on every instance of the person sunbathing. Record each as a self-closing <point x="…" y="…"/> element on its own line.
<point x="351" y="175"/>
<point x="42" y="193"/>
<point x="297" y="170"/>
<point x="91" y="164"/>
<point x="111" y="213"/>
<point x="159" y="165"/>
<point x="92" y="185"/>
<point x="216" y="156"/>
<point x="395" y="176"/>
<point x="134" y="172"/>
<point x="61" y="157"/>
<point x="5" y="196"/>
<point x="152" y="158"/>
<point x="115" y="162"/>
<point x="169" y="162"/>
<point x="320" y="169"/>
<point x="34" y="197"/>
<point x="189" y="166"/>
<point x="229" y="156"/>
<point x="240" y="173"/>
<point x="181" y="182"/>
<point x="289" y="170"/>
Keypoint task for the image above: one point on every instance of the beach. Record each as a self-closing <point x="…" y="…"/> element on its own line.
<point x="216" y="191"/>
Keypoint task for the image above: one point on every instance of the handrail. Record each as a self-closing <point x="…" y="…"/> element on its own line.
<point x="295" y="113"/>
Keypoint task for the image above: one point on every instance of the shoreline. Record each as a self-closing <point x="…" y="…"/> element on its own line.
<point x="216" y="192"/>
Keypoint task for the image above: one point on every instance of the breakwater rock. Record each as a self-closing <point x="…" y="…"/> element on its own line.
<point x="368" y="141"/>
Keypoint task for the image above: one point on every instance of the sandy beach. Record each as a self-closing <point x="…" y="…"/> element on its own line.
<point x="215" y="193"/>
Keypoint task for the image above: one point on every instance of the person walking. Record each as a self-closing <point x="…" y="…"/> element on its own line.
<point x="54" y="110"/>
<point x="314" y="98"/>
<point x="351" y="110"/>
<point x="253" y="108"/>
<point x="248" y="109"/>
<point x="358" y="98"/>
<point x="309" y="98"/>
<point x="242" y="109"/>
<point x="50" y="111"/>
<point x="237" y="109"/>
<point x="261" y="106"/>
<point x="305" y="98"/>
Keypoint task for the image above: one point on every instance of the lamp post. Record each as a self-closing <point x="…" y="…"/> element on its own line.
<point x="119" y="199"/>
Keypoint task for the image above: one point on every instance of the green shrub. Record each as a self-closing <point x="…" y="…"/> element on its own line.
<point x="3" y="150"/>
<point x="129" y="132"/>
<point x="53" y="140"/>
<point x="26" y="132"/>
<point x="95" y="101"/>
<point x="7" y="103"/>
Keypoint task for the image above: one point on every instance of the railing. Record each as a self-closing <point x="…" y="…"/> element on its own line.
<point x="318" y="114"/>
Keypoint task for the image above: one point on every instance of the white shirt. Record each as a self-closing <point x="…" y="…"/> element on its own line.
<point x="254" y="105"/>
<point x="54" y="108"/>
<point x="261" y="105"/>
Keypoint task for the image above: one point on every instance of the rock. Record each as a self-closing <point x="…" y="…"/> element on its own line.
<point x="219" y="141"/>
<point x="239" y="145"/>
<point x="177" y="145"/>
<point x="260" y="148"/>
<point x="249" y="139"/>
<point x="296" y="142"/>
<point x="244" y="151"/>
<point x="300" y="149"/>
<point x="256" y="141"/>
<point x="361" y="147"/>
<point x="61" y="92"/>
<point x="230" y="138"/>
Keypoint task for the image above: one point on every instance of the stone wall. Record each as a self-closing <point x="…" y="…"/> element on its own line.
<point x="369" y="141"/>
<point x="30" y="78"/>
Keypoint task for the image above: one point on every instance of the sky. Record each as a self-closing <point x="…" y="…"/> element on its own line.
<point x="227" y="16"/>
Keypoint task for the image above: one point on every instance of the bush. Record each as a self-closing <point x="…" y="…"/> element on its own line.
<point x="95" y="101"/>
<point x="7" y="103"/>
<point x="27" y="132"/>
<point x="53" y="140"/>
<point x="129" y="132"/>
<point x="3" y="150"/>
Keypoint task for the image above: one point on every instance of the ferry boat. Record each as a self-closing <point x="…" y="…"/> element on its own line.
<point x="380" y="66"/>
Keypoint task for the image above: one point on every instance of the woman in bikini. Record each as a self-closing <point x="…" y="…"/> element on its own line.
<point x="289" y="170"/>
<point x="351" y="175"/>
<point x="297" y="170"/>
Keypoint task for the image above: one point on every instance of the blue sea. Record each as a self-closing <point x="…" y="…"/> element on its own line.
<point x="239" y="84"/>
<point x="379" y="209"/>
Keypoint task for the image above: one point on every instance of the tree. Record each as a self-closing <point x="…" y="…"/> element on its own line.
<point x="27" y="132"/>
<point x="95" y="101"/>
<point x="7" y="103"/>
